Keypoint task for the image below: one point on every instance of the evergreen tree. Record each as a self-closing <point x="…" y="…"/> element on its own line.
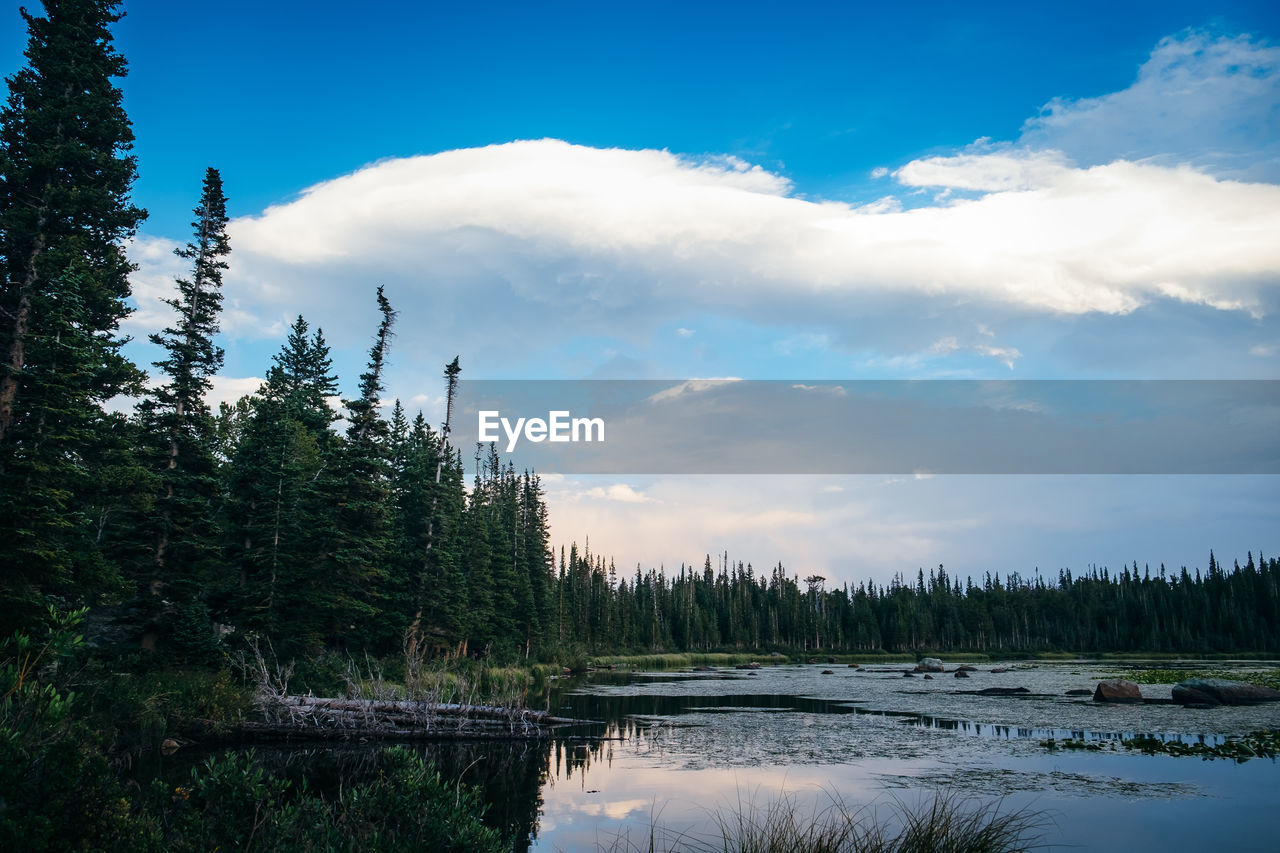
<point x="65" y="175"/>
<point x="184" y="533"/>
<point x="357" y="556"/>
<point x="278" y="507"/>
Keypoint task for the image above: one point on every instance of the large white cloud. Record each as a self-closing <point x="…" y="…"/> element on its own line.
<point x="595" y="241"/>
<point x="502" y="252"/>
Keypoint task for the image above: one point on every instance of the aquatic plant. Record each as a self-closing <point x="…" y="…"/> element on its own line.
<point x="1262" y="678"/>
<point x="1261" y="744"/>
<point x="945" y="822"/>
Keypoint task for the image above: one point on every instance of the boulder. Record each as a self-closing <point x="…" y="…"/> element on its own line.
<point x="962" y="673"/>
<point x="929" y="665"/>
<point x="1219" y="691"/>
<point x="1117" y="690"/>
<point x="928" y="677"/>
<point x="1080" y="691"/>
<point x="966" y="667"/>
<point x="827" y="672"/>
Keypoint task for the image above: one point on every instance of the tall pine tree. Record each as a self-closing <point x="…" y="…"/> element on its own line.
<point x="358" y="554"/>
<point x="182" y="526"/>
<point x="278" y="511"/>
<point x="65" y="176"/>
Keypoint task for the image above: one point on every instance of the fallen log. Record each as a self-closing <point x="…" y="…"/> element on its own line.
<point x="277" y="731"/>
<point x="311" y="717"/>
<point x="401" y="706"/>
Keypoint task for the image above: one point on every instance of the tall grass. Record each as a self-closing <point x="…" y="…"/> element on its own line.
<point x="677" y="660"/>
<point x="683" y="660"/>
<point x="945" y="823"/>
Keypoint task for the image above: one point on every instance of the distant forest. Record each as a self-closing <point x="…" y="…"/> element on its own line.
<point x="183" y="529"/>
<point x="731" y="606"/>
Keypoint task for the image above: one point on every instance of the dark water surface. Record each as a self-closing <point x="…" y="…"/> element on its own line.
<point x="673" y="748"/>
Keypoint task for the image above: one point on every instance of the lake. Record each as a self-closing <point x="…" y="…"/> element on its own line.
<point x="672" y="748"/>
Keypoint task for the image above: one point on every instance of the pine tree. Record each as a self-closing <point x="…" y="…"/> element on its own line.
<point x="65" y="175"/>
<point x="279" y="511"/>
<point x="358" y="553"/>
<point x="175" y="415"/>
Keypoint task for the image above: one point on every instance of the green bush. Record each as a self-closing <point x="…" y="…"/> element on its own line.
<point x="231" y="803"/>
<point x="57" y="789"/>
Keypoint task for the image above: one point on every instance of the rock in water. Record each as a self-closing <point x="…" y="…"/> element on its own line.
<point x="1219" y="691"/>
<point x="1117" y="690"/>
<point x="1079" y="691"/>
<point x="929" y="665"/>
<point x="962" y="673"/>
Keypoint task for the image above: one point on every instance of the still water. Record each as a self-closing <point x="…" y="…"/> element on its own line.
<point x="672" y="749"/>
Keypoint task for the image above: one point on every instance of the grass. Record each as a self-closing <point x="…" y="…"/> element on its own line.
<point x="684" y="660"/>
<point x="680" y="660"/>
<point x="1158" y="675"/>
<point x="944" y="823"/>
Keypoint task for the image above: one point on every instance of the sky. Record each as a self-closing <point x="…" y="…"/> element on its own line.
<point x="804" y="191"/>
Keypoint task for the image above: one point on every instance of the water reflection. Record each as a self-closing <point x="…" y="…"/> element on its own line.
<point x="669" y="749"/>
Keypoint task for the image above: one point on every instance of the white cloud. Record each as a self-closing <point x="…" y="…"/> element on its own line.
<point x="152" y="282"/>
<point x="1212" y="102"/>
<point x="1264" y="350"/>
<point x="691" y="386"/>
<point x="619" y="492"/>
<point x="988" y="170"/>
<point x="1005" y="355"/>
<point x="579" y="238"/>
<point x="155" y="281"/>
<point x="228" y="389"/>
<point x="505" y="251"/>
<point x="833" y="390"/>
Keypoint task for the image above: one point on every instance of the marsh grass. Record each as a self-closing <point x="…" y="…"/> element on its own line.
<point x="684" y="660"/>
<point x="678" y="660"/>
<point x="1261" y="677"/>
<point x="945" y="822"/>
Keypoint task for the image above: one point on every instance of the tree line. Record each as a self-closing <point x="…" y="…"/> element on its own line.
<point x="732" y="607"/>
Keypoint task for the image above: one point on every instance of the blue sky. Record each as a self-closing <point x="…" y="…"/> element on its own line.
<point x="287" y="94"/>
<point x="670" y="190"/>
